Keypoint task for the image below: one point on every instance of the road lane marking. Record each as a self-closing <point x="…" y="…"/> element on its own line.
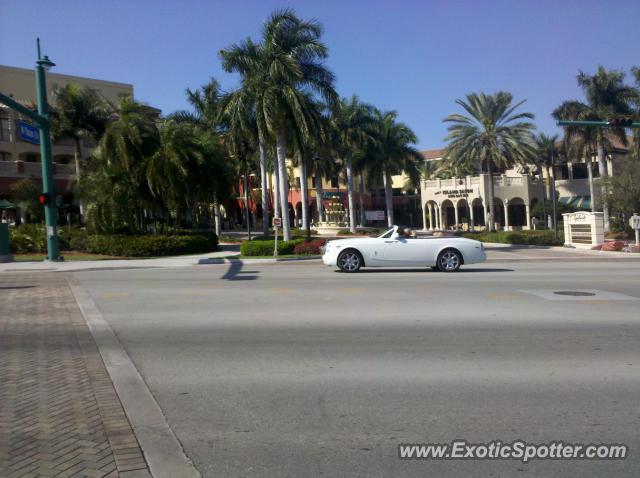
<point x="113" y="295"/>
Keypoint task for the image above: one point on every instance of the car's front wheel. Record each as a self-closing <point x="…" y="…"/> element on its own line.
<point x="350" y="261"/>
<point x="449" y="260"/>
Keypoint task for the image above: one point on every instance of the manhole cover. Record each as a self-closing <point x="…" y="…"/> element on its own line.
<point x="574" y="293"/>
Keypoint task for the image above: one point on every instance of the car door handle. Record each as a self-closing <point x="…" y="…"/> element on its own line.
<point x="390" y="242"/>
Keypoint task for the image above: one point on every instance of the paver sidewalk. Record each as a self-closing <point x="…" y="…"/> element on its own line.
<point x="59" y="413"/>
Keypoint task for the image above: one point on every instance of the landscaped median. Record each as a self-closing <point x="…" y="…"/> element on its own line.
<point x="29" y="239"/>
<point x="532" y="238"/>
<point x="293" y="248"/>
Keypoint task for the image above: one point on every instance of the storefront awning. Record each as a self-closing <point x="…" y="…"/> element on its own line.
<point x="579" y="202"/>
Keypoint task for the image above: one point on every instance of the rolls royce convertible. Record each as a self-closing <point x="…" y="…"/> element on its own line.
<point x="399" y="247"/>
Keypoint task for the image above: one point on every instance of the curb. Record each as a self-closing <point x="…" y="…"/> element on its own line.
<point x="162" y="450"/>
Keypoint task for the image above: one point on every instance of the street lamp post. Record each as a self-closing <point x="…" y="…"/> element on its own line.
<point x="41" y="119"/>
<point x="50" y="213"/>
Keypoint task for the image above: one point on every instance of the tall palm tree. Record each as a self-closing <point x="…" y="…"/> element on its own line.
<point x="354" y="125"/>
<point x="606" y="97"/>
<point x="286" y="64"/>
<point x="131" y="138"/>
<point x="492" y="134"/>
<point x="207" y="104"/>
<point x="548" y="154"/>
<point x="79" y="113"/>
<point x="392" y="152"/>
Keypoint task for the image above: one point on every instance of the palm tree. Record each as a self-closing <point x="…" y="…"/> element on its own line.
<point x="129" y="140"/>
<point x="353" y="124"/>
<point x="393" y="152"/>
<point x="207" y="103"/>
<point x="607" y="97"/>
<point x="548" y="153"/>
<point x="492" y="134"/>
<point x="279" y="71"/>
<point x="79" y="113"/>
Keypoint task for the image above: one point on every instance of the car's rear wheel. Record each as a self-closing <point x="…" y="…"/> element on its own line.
<point x="449" y="260"/>
<point x="350" y="261"/>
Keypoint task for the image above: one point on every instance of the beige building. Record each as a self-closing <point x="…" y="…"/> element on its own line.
<point x="20" y="159"/>
<point x="461" y="202"/>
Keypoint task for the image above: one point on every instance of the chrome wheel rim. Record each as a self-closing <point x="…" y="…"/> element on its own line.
<point x="349" y="261"/>
<point x="449" y="261"/>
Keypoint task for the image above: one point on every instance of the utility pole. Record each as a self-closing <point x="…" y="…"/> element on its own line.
<point x="41" y="118"/>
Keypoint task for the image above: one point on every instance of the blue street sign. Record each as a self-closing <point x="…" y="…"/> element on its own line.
<point x="29" y="133"/>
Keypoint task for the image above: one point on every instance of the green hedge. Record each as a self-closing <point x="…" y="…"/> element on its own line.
<point x="30" y="238"/>
<point x="148" y="246"/>
<point x="535" y="238"/>
<point x="265" y="247"/>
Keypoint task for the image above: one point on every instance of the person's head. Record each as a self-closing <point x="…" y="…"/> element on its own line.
<point x="407" y="232"/>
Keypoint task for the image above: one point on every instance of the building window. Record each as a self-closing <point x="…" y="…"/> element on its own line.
<point x="580" y="171"/>
<point x="4" y="156"/>
<point x="4" y="129"/>
<point x="561" y="172"/>
<point x="334" y="182"/>
<point x="31" y="158"/>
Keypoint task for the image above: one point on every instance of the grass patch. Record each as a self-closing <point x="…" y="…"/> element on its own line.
<point x="281" y="256"/>
<point x="68" y="256"/>
<point x="534" y="238"/>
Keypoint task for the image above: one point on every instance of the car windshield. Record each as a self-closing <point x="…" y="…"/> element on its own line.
<point x="387" y="234"/>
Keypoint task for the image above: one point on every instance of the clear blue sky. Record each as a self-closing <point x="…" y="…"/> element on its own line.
<point x="413" y="56"/>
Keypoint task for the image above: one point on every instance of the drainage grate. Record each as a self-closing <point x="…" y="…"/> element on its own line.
<point x="574" y="293"/>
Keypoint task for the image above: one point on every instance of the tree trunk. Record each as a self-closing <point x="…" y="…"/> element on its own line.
<point x="361" y="198"/>
<point x="492" y="211"/>
<point x="276" y="189"/>
<point x="591" y="191"/>
<point x="263" y="186"/>
<point x="281" y="145"/>
<point x="304" y="193"/>
<point x="246" y="201"/>
<point x="319" y="195"/>
<point x="216" y="215"/>
<point x="352" y="208"/>
<point x="544" y="199"/>
<point x="76" y="156"/>
<point x="388" y="196"/>
<point x="602" y="168"/>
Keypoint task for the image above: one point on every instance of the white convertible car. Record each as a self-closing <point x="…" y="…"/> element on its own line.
<point x="396" y="248"/>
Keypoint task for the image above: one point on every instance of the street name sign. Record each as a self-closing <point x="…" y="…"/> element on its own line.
<point x="277" y="222"/>
<point x="29" y="133"/>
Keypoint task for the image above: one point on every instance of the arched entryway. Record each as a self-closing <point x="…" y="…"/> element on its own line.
<point x="478" y="212"/>
<point x="517" y="211"/>
<point x="448" y="213"/>
<point x="498" y="209"/>
<point x="464" y="214"/>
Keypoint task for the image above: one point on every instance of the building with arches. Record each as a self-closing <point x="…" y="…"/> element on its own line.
<point x="19" y="158"/>
<point x="461" y="203"/>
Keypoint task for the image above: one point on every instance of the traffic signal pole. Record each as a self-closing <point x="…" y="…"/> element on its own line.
<point x="50" y="212"/>
<point x="41" y="118"/>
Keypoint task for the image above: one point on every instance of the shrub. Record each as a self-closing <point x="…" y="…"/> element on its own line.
<point x="29" y="238"/>
<point x="265" y="247"/>
<point x="148" y="246"/>
<point x="536" y="238"/>
<point x="311" y="248"/>
<point x="613" y="246"/>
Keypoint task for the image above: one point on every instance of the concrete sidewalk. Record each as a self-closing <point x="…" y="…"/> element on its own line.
<point x="70" y="266"/>
<point x="59" y="412"/>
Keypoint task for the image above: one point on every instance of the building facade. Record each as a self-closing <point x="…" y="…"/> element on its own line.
<point x="460" y="203"/>
<point x="19" y="157"/>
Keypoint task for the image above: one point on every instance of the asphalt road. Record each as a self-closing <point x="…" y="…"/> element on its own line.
<point x="297" y="370"/>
